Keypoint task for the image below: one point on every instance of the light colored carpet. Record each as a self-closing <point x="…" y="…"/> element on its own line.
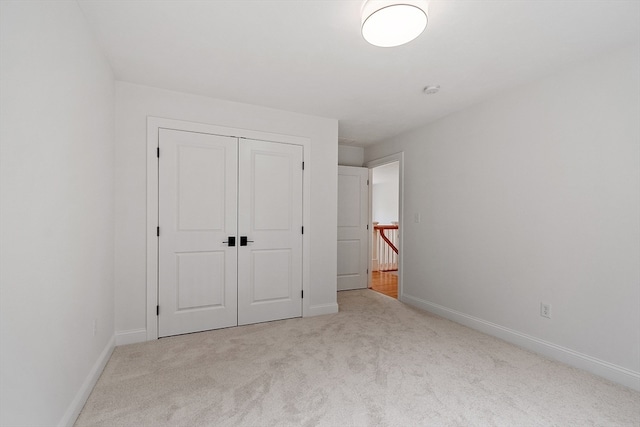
<point x="376" y="363"/>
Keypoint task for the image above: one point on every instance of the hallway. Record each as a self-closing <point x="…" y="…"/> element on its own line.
<point x="385" y="282"/>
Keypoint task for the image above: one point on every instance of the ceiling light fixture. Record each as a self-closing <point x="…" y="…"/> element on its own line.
<point x="387" y="23"/>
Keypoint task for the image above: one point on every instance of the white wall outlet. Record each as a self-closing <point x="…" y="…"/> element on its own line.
<point x="416" y="218"/>
<point x="545" y="310"/>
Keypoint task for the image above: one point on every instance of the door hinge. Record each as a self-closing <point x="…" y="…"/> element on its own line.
<point x="301" y="294"/>
<point x="302" y="165"/>
<point x="158" y="152"/>
<point x="157" y="310"/>
<point x="367" y="226"/>
<point x="302" y="229"/>
<point x="367" y="182"/>
<point x="158" y="231"/>
<point x="367" y="271"/>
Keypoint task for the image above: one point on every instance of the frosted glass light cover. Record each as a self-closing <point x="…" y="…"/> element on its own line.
<point x="394" y="25"/>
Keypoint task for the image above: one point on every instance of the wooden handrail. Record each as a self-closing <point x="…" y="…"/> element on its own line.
<point x="381" y="229"/>
<point x="386" y="227"/>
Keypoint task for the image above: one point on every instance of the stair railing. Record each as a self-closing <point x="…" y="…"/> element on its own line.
<point x="385" y="247"/>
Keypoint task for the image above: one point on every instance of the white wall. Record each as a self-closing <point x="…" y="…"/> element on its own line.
<point x="385" y="193"/>
<point x="350" y="156"/>
<point x="134" y="103"/>
<point x="534" y="196"/>
<point x="57" y="221"/>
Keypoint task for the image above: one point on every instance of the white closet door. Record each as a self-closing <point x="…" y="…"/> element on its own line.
<point x="353" y="235"/>
<point x="270" y="217"/>
<point x="197" y="213"/>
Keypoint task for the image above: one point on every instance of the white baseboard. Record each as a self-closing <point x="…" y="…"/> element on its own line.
<point x="131" y="336"/>
<point x="596" y="366"/>
<point x="72" y="412"/>
<point x="319" y="310"/>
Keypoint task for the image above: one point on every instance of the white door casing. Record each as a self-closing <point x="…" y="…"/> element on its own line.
<point x="197" y="213"/>
<point x="270" y="216"/>
<point x="154" y="127"/>
<point x="353" y="234"/>
<point x="397" y="157"/>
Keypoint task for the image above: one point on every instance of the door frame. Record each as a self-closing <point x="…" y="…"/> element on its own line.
<point x="154" y="124"/>
<point x="397" y="157"/>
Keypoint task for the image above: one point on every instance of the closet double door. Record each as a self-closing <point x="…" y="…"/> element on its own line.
<point x="230" y="231"/>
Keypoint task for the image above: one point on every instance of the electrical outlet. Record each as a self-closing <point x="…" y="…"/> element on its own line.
<point x="545" y="310"/>
<point x="416" y="218"/>
<point x="95" y="327"/>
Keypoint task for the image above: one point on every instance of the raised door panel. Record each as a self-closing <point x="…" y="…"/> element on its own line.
<point x="199" y="279"/>
<point x="271" y="275"/>
<point x="201" y="188"/>
<point x="348" y="257"/>
<point x="349" y="200"/>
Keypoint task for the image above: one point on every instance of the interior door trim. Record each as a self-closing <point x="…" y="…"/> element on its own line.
<point x="154" y="124"/>
<point x="397" y="157"/>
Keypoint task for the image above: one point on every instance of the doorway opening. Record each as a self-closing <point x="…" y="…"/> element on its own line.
<point x="385" y="218"/>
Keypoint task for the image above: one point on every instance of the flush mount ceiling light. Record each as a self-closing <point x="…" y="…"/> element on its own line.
<point x="388" y="23"/>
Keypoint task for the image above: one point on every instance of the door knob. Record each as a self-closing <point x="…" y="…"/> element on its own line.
<point x="244" y="241"/>
<point x="231" y="241"/>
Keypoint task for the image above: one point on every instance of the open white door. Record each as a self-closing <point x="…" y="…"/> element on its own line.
<point x="353" y="233"/>
<point x="197" y="214"/>
<point x="270" y="206"/>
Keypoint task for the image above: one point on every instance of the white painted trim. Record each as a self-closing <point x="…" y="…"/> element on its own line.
<point x="131" y="337"/>
<point x="72" y="412"/>
<point x="319" y="310"/>
<point x="370" y="228"/>
<point x="397" y="157"/>
<point x="153" y="126"/>
<point x="152" y="222"/>
<point x="596" y="366"/>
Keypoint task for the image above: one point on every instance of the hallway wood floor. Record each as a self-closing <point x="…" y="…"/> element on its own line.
<point x="385" y="282"/>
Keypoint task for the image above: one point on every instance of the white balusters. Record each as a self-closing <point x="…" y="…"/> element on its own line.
<point x="385" y="244"/>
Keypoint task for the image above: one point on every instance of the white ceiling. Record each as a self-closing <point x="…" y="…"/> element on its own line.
<point x="308" y="56"/>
